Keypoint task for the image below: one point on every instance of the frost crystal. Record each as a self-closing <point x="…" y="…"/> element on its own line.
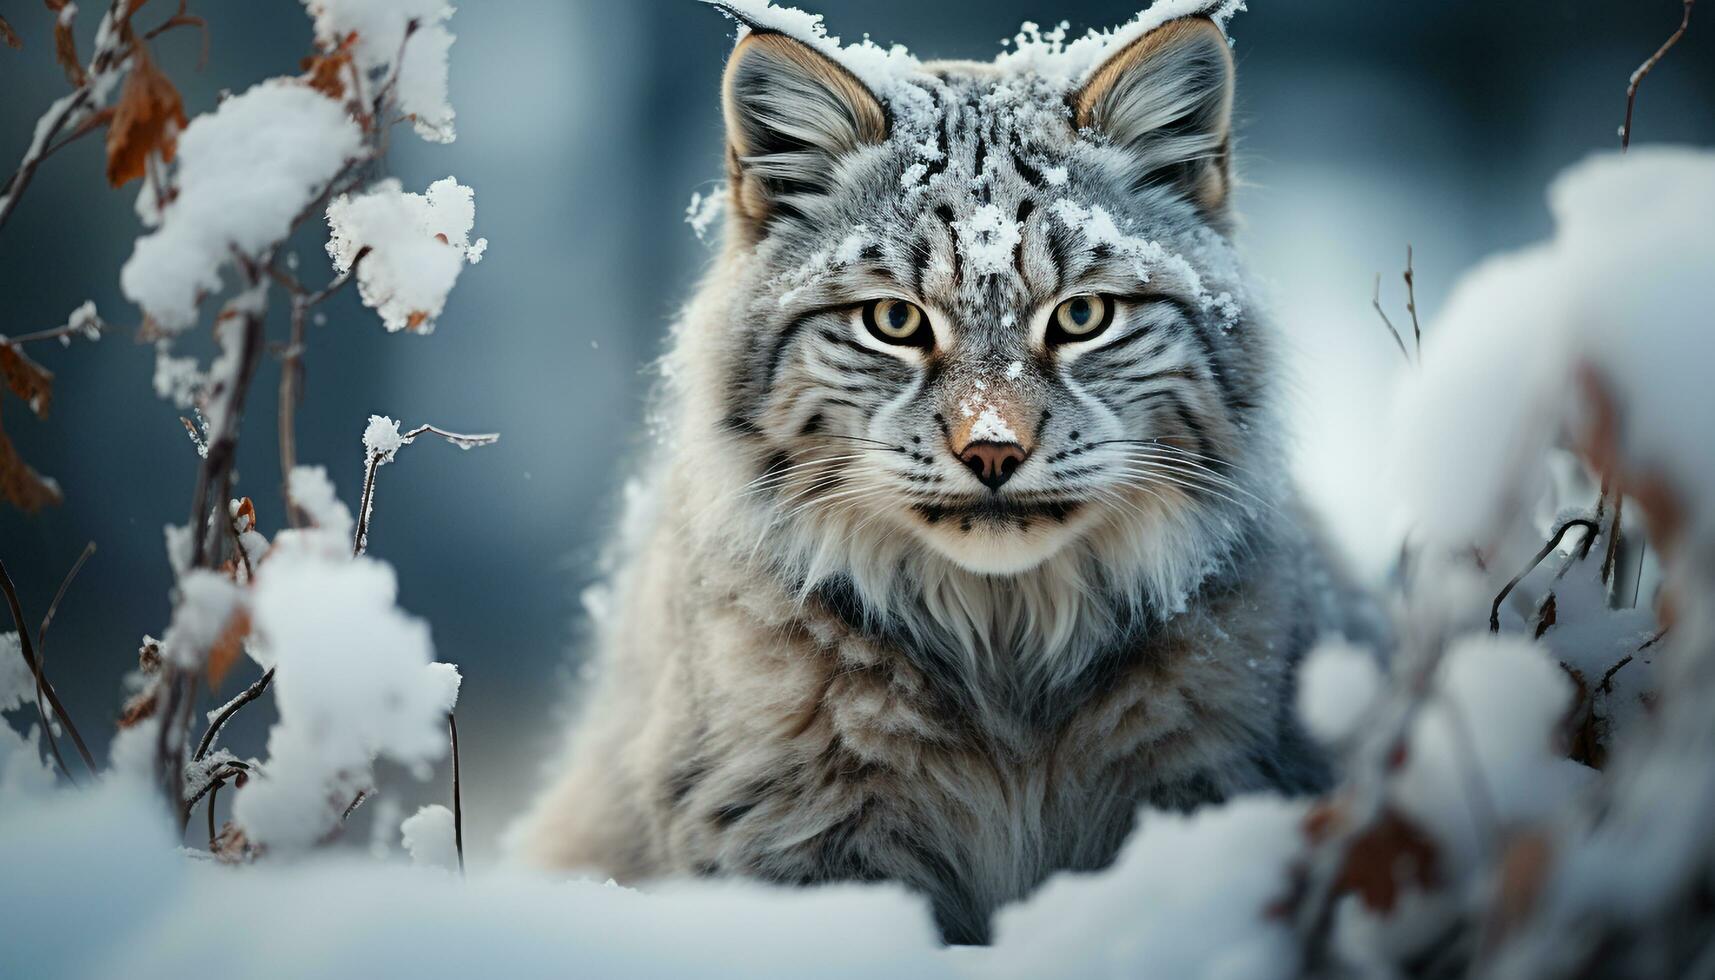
<point x="382" y="437"/>
<point x="417" y="245"/>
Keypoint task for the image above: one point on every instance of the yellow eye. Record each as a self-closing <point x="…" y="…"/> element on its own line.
<point x="1080" y="318"/>
<point x="897" y="321"/>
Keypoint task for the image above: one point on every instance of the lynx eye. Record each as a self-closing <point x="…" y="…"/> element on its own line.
<point x="897" y="321"/>
<point x="1080" y="318"/>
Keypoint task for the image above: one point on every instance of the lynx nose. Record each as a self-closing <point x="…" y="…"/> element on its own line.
<point x="993" y="462"/>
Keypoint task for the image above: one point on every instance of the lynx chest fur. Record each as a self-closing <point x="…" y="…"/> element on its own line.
<point x="969" y="535"/>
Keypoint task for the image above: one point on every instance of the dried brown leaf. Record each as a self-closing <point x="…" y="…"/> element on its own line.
<point x="148" y="119"/>
<point x="244" y="519"/>
<point x="1382" y="859"/>
<point x="326" y="73"/>
<point x="26" y="489"/>
<point x="27" y="379"/>
<point x="10" y="36"/>
<point x="227" y="647"/>
<point x="140" y="708"/>
<point x="1524" y="869"/>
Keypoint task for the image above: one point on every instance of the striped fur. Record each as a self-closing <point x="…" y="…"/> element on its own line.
<point x="833" y="654"/>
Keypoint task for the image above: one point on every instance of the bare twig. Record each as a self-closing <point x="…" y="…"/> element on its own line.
<point x="1644" y="70"/>
<point x="214" y="481"/>
<point x="458" y="803"/>
<point x="1613" y="550"/>
<point x="64" y="330"/>
<point x="1591" y="528"/>
<point x="356" y="802"/>
<point x="292" y="375"/>
<point x="1411" y="303"/>
<point x="360" y="537"/>
<point x="1607" y="685"/>
<point x="1376" y="301"/>
<point x="29" y="652"/>
<point x="42" y="650"/>
<point x="218" y="778"/>
<point x="250" y="694"/>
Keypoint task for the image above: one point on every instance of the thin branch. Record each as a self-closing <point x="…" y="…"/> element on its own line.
<point x="458" y="803"/>
<point x="292" y="376"/>
<point x="42" y="650"/>
<point x="1376" y="301"/>
<point x="28" y="650"/>
<point x="250" y="694"/>
<point x="1644" y="70"/>
<point x="1590" y="528"/>
<point x="1607" y="685"/>
<point x="213" y="797"/>
<point x="351" y="807"/>
<point x="64" y="330"/>
<point x="1613" y="551"/>
<point x="1411" y="303"/>
<point x="360" y="536"/>
<point x="218" y="778"/>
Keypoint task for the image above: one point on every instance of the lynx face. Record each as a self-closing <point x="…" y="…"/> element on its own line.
<point x="989" y="310"/>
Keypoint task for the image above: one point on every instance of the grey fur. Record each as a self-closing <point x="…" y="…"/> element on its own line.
<point x="832" y="654"/>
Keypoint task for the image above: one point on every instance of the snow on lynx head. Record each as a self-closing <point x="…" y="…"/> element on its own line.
<point x="978" y="345"/>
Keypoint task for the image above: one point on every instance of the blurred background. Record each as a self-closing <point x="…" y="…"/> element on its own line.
<point x="584" y="128"/>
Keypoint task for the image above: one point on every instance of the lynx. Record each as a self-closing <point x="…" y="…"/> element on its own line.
<point x="969" y="539"/>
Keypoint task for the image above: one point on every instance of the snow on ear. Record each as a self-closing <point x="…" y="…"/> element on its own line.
<point x="791" y="113"/>
<point x="1166" y="99"/>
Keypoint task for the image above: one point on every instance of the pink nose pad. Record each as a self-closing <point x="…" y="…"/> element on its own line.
<point x="993" y="462"/>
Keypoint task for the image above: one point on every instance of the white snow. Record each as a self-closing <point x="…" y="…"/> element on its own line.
<point x="313" y="492"/>
<point x="986" y="240"/>
<point x="990" y="426"/>
<point x="1068" y="64"/>
<point x="207" y="602"/>
<point x="1338" y="684"/>
<point x="1484" y="743"/>
<point x="883" y="70"/>
<point x="418" y="244"/>
<point x="1187" y="897"/>
<point x="356" y="679"/>
<point x="421" y="86"/>
<point x="84" y="321"/>
<point x="428" y="838"/>
<point x="382" y="438"/>
<point x="243" y="173"/>
<point x="17" y="681"/>
<point x="704" y="211"/>
<point x="1624" y="288"/>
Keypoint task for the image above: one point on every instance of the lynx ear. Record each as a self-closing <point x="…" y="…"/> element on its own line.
<point x="791" y="114"/>
<point x="1166" y="99"/>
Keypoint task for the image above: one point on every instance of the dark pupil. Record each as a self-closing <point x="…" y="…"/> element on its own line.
<point x="898" y="316"/>
<point x="1080" y="310"/>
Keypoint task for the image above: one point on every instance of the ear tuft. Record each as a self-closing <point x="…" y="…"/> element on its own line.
<point x="791" y="114"/>
<point x="1167" y="100"/>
